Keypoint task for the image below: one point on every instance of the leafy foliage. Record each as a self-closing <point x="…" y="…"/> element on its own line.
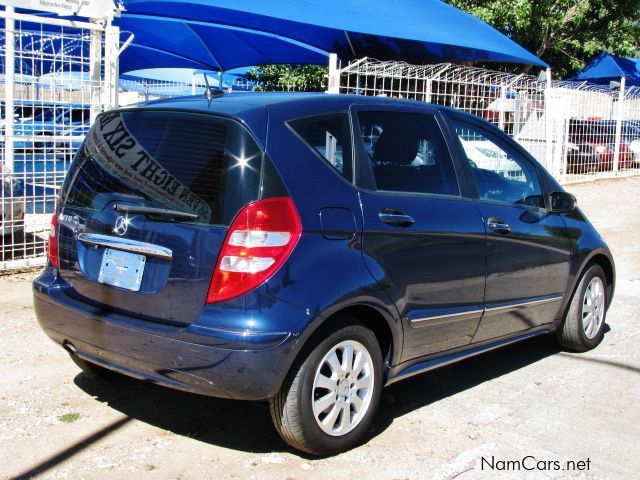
<point x="300" y="78"/>
<point x="564" y="33"/>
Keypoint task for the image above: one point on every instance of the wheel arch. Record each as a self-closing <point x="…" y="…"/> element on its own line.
<point x="603" y="259"/>
<point x="387" y="330"/>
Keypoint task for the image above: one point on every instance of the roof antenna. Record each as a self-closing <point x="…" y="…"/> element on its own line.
<point x="211" y="92"/>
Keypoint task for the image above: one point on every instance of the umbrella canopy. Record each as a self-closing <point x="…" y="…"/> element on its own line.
<point x="605" y="68"/>
<point x="223" y="34"/>
<point x="172" y="42"/>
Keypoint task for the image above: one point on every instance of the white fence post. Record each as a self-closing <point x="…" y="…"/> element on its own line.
<point x="111" y="47"/>
<point x="9" y="80"/>
<point x="502" y="105"/>
<point x="548" y="127"/>
<point x="95" y="73"/>
<point x="334" y="74"/>
<point x="619" y="114"/>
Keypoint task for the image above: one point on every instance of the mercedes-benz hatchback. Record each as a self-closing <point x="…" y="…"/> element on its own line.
<point x="309" y="249"/>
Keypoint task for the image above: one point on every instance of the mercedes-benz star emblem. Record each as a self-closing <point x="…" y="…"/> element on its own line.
<point x="121" y="225"/>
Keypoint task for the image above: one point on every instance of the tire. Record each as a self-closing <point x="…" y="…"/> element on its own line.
<point x="292" y="409"/>
<point x="583" y="326"/>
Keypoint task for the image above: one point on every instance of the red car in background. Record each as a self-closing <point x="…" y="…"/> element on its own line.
<point x="591" y="145"/>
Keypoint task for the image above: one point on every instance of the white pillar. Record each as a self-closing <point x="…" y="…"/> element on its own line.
<point x="552" y="164"/>
<point x="95" y="73"/>
<point x="334" y="74"/>
<point x="9" y="80"/>
<point x="502" y="103"/>
<point x="111" y="47"/>
<point x="619" y="115"/>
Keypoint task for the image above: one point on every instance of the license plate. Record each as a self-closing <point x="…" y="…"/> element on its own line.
<point x="122" y="269"/>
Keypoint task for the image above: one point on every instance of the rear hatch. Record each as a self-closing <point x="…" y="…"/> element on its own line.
<point x="146" y="206"/>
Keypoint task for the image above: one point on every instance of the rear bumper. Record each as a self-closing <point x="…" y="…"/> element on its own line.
<point x="220" y="363"/>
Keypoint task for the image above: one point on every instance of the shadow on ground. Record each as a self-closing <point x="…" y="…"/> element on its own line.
<point x="246" y="426"/>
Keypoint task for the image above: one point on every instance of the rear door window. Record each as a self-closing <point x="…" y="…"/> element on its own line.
<point x="195" y="163"/>
<point x="407" y="152"/>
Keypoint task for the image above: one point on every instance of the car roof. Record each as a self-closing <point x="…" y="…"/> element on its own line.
<point x="252" y="108"/>
<point x="240" y="104"/>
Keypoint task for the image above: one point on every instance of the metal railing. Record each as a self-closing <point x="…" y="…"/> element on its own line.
<point x="578" y="131"/>
<point x="52" y="86"/>
<point x="54" y="82"/>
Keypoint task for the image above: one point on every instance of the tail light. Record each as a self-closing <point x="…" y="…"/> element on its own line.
<point x="260" y="239"/>
<point x="53" y="240"/>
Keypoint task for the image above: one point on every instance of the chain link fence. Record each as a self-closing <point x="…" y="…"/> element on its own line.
<point x="578" y="131"/>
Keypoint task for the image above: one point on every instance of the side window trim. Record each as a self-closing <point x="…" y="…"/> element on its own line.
<point x="506" y="147"/>
<point x="361" y="158"/>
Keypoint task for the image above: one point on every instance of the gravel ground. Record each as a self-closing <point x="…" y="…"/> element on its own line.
<point x="529" y="402"/>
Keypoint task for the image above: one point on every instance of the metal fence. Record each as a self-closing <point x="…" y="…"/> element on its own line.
<point x="138" y="89"/>
<point x="133" y="89"/>
<point x="578" y="131"/>
<point x="57" y="80"/>
<point x="52" y="87"/>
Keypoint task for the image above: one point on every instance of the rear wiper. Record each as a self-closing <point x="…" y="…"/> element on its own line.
<point x="162" y="212"/>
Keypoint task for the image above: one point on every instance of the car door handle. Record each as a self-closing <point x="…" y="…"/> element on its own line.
<point x="498" y="225"/>
<point x="396" y="218"/>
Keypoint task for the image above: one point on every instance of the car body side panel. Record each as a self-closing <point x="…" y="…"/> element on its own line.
<point x="328" y="257"/>
<point x="526" y="270"/>
<point x="587" y="244"/>
<point x="434" y="270"/>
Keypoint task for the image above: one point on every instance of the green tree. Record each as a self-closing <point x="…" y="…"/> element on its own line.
<point x="564" y="33"/>
<point x="300" y="78"/>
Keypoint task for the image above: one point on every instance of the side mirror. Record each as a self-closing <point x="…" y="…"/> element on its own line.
<point x="562" y="202"/>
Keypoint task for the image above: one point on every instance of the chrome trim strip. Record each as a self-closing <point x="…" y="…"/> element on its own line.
<point x="511" y="306"/>
<point x="525" y="304"/>
<point x="466" y="352"/>
<point x="448" y="315"/>
<point x="125" y="245"/>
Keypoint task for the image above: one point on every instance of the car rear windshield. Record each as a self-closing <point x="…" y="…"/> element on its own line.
<point x="195" y="163"/>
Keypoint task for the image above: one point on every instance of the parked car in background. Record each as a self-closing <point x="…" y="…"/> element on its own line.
<point x="31" y="132"/>
<point x="485" y="155"/>
<point x="309" y="249"/>
<point x="591" y="145"/>
<point x="634" y="149"/>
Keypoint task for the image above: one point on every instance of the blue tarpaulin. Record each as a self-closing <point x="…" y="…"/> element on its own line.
<point x="225" y="34"/>
<point x="253" y="32"/>
<point x="605" y="68"/>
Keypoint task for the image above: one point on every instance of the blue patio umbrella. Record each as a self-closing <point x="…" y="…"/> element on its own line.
<point x="605" y="68"/>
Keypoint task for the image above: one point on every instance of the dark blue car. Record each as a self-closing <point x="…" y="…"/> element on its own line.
<point x="309" y="249"/>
